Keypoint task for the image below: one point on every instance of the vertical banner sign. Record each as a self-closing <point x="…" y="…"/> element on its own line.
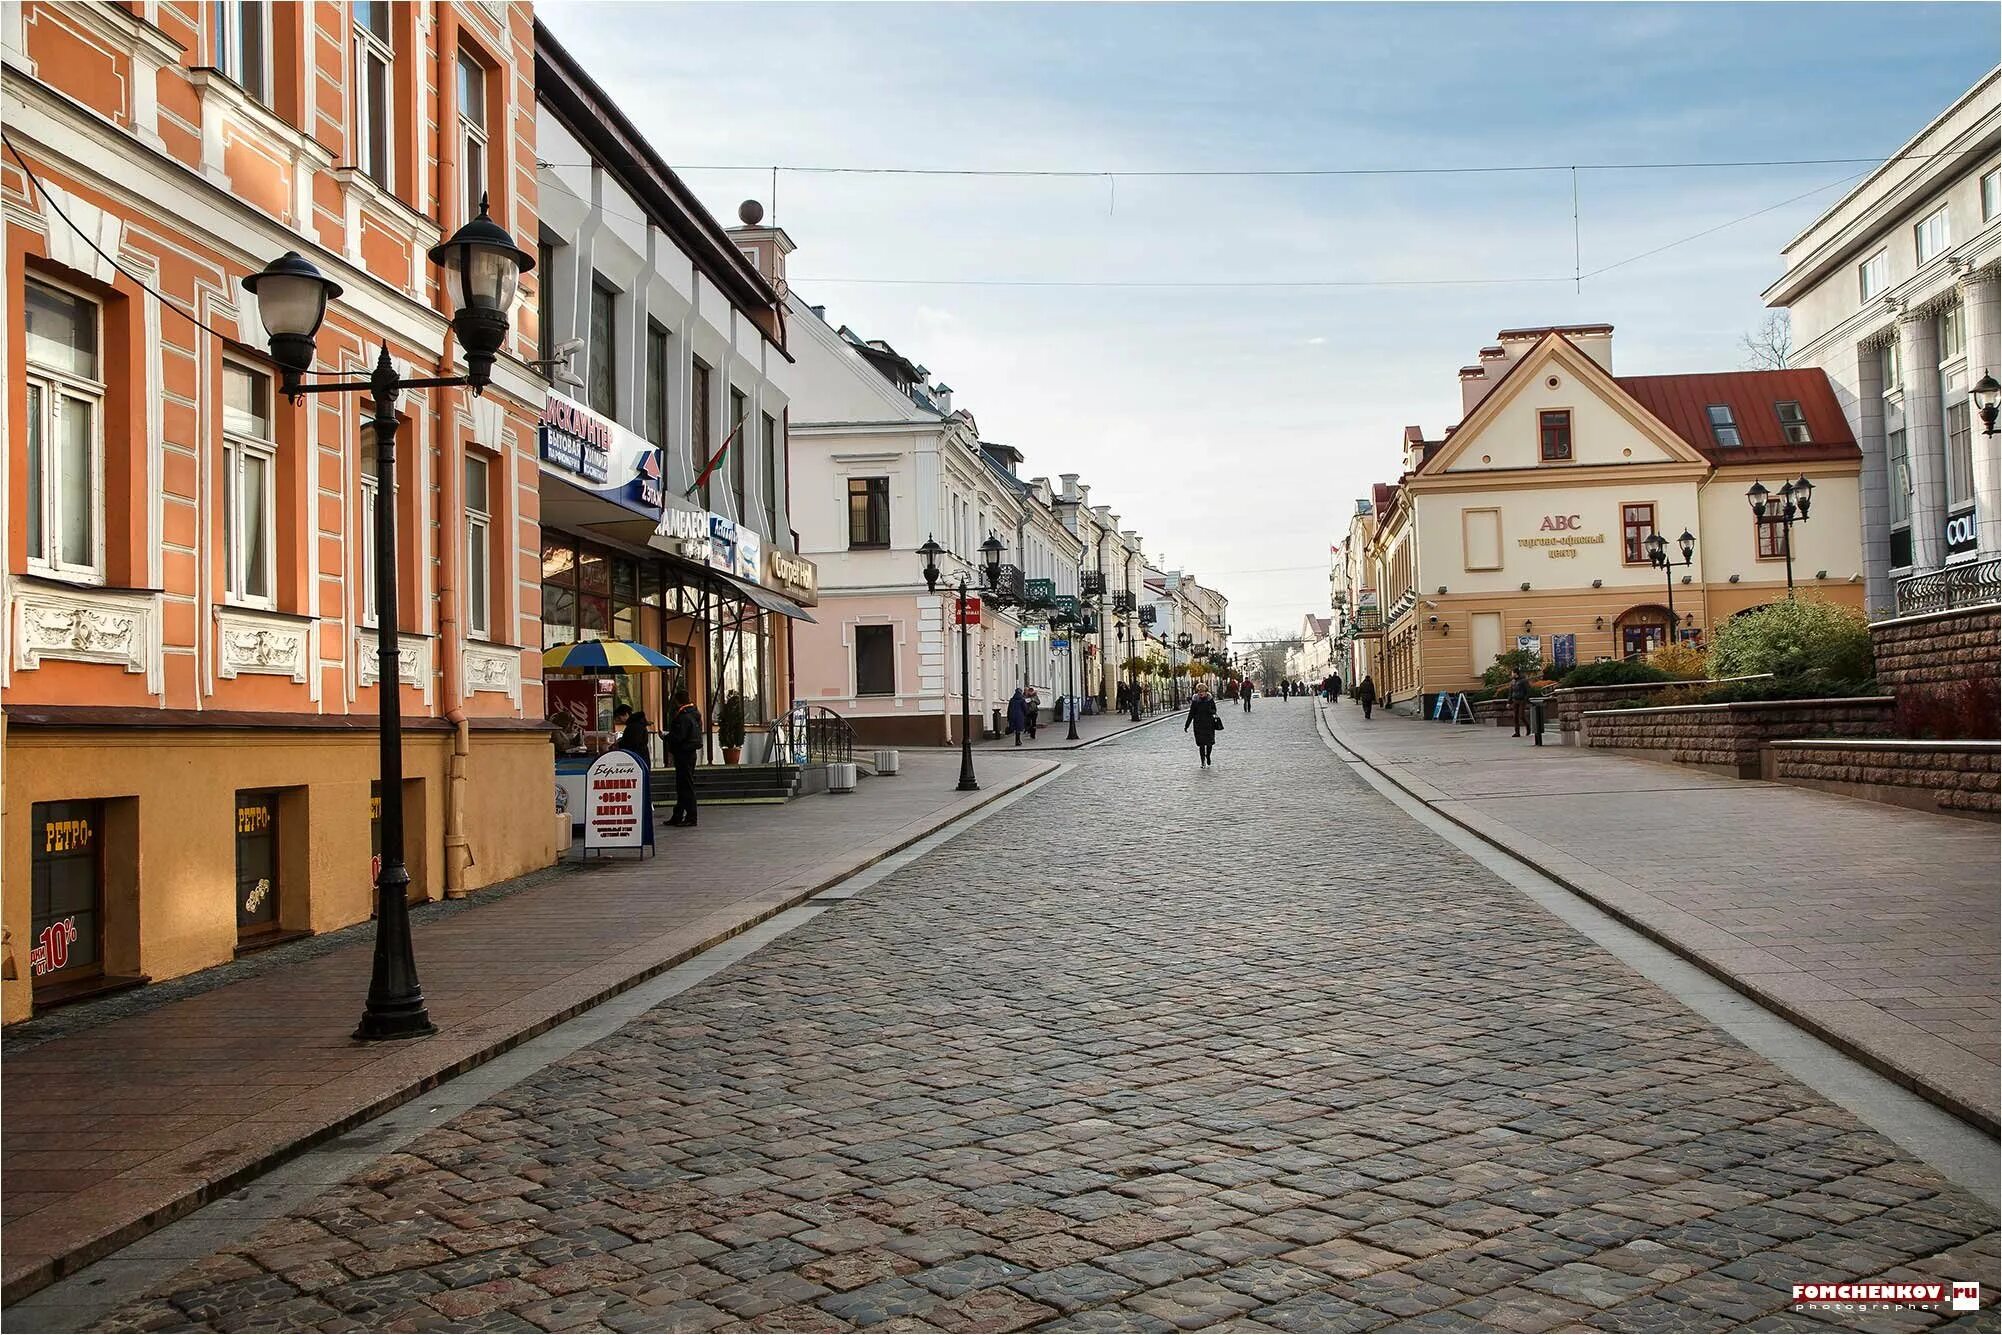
<point x="616" y="811"/>
<point x="1563" y="652"/>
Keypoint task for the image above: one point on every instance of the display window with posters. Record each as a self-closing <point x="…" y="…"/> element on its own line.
<point x="68" y="891"/>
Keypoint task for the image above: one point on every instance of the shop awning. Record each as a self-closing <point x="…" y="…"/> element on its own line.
<point x="763" y="597"/>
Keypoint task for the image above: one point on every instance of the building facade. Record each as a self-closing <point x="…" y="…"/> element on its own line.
<point x="1893" y="294"/>
<point x="1525" y="526"/>
<point x="188" y="674"/>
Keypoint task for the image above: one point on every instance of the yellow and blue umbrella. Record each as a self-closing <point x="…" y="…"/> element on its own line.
<point x="605" y="656"/>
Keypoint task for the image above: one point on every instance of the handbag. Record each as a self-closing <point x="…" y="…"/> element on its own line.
<point x="1216" y="721"/>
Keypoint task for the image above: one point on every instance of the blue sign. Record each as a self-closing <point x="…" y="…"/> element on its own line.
<point x="1563" y="652"/>
<point x="599" y="456"/>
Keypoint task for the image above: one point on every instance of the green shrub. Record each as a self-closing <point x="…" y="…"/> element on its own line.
<point x="1618" y="672"/>
<point x="1681" y="661"/>
<point x="1504" y="667"/>
<point x="1798" y="638"/>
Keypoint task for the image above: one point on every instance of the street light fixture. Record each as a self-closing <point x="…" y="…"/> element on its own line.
<point x="990" y="574"/>
<point x="1657" y="555"/>
<point x="482" y="268"/>
<point x="1182" y="642"/>
<point x="1790" y="509"/>
<point x="1987" y="394"/>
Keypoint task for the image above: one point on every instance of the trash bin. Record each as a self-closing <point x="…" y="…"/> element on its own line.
<point x="1000" y="724"/>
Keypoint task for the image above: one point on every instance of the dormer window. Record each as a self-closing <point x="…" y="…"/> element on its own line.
<point x="1553" y="427"/>
<point x="1793" y="424"/>
<point x="1723" y="426"/>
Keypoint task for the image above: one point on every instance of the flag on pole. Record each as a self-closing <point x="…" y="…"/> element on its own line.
<point x="715" y="460"/>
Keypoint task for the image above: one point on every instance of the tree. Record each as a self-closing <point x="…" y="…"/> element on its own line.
<point x="1768" y="347"/>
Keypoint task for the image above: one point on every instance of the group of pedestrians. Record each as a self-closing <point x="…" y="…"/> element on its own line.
<point x="1022" y="707"/>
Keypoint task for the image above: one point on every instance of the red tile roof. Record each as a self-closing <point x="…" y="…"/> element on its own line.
<point x="1382" y="494"/>
<point x="1682" y="403"/>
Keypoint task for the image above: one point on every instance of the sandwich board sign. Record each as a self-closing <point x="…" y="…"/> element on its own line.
<point x="618" y="803"/>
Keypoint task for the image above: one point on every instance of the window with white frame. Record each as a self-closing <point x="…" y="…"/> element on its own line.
<point x="1793" y="422"/>
<point x="1959" y="454"/>
<point x="1930" y="235"/>
<point x="479" y="529"/>
<point x="1894" y="368"/>
<point x="1723" y="425"/>
<point x="1952" y="334"/>
<point x="241" y="32"/>
<point x="65" y="410"/>
<point x="1872" y="274"/>
<point x="369" y="496"/>
<point x="249" y="486"/>
<point x="472" y="133"/>
<point x="375" y="100"/>
<point x="1991" y="196"/>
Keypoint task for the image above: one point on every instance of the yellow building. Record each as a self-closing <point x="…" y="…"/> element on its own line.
<point x="1526" y="525"/>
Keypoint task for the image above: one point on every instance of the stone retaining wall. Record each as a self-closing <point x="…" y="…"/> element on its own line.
<point x="1956" y="778"/>
<point x="1569" y="704"/>
<point x="1728" y="738"/>
<point x="1938" y="646"/>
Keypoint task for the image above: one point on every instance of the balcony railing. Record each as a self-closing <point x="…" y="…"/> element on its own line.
<point x="1956" y="586"/>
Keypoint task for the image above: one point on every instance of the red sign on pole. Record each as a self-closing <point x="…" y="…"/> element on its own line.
<point x="967" y="613"/>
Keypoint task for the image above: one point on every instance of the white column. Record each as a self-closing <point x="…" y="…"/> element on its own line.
<point x="1876" y="479"/>
<point x="1978" y="295"/>
<point x="1918" y="348"/>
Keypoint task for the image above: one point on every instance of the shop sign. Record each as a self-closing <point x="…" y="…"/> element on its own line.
<point x="967" y="613"/>
<point x="52" y="948"/>
<point x="688" y="531"/>
<point x="1529" y="644"/>
<point x="615" y="795"/>
<point x="1962" y="534"/>
<point x="1368" y="620"/>
<point x="1563" y="652"/>
<point x="1559" y="533"/>
<point x="750" y="556"/>
<point x="601" y="455"/>
<point x="794" y="576"/>
<point x="1029" y="634"/>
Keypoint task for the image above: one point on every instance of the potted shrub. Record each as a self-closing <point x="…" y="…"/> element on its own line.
<point x="730" y="728"/>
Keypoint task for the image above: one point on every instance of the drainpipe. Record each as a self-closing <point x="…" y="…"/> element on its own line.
<point x="451" y="508"/>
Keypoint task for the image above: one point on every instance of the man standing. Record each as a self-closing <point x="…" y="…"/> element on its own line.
<point x="1518" y="701"/>
<point x="684" y="743"/>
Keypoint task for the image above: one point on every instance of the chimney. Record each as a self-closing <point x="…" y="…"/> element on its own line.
<point x="941" y="394"/>
<point x="1084" y="496"/>
<point x="1474" y="386"/>
<point x="1070" y="492"/>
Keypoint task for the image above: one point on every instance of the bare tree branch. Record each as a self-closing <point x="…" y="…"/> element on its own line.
<point x="1768" y="347"/>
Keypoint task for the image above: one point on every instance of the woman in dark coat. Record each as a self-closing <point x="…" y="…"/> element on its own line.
<point x="1018" y="714"/>
<point x="1203" y="718"/>
<point x="1367" y="694"/>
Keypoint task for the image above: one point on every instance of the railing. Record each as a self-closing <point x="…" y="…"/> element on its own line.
<point x="1956" y="586"/>
<point x="810" y="736"/>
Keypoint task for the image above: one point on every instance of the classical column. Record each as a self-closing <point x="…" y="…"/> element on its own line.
<point x="1918" y="353"/>
<point x="1978" y="296"/>
<point x="1876" y="480"/>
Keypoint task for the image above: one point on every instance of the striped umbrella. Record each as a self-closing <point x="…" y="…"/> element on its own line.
<point x="605" y="656"/>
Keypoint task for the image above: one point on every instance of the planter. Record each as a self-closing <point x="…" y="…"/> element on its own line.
<point x="1952" y="778"/>
<point x="1569" y="704"/>
<point x="1728" y="739"/>
<point x="733" y="755"/>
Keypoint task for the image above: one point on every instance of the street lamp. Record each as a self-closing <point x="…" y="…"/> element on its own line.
<point x="482" y="267"/>
<point x="1657" y="555"/>
<point x="1087" y="602"/>
<point x="1789" y="509"/>
<point x="1182" y="642"/>
<point x="990" y="574"/>
<point x="1986" y="395"/>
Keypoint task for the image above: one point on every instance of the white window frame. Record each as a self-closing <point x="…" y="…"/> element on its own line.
<point x="1991" y="195"/>
<point x="472" y="138"/>
<point x="226" y="16"/>
<point x="479" y="524"/>
<point x="1730" y="424"/>
<point x="55" y="384"/>
<point x="370" y="496"/>
<point x="1873" y="275"/>
<point x="368" y="46"/>
<point x="1945" y="238"/>
<point x="1789" y="425"/>
<point x="237" y="448"/>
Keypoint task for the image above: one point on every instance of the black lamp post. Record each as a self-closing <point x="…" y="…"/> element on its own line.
<point x="1182" y="642"/>
<point x="1086" y="603"/>
<point x="1986" y="395"/>
<point x="1789" y="509"/>
<point x="1133" y="692"/>
<point x="990" y="575"/>
<point x="482" y="267"/>
<point x="1657" y="553"/>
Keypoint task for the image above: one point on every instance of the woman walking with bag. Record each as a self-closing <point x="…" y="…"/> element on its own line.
<point x="1203" y="717"/>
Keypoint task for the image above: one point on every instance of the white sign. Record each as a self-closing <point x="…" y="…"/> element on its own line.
<point x="1530" y="644"/>
<point x="614" y="801"/>
<point x="750" y="556"/>
<point x="688" y="530"/>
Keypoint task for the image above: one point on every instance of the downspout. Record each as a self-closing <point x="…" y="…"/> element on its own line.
<point x="451" y="548"/>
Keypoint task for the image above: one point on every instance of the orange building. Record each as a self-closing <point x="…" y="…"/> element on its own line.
<point x="188" y="673"/>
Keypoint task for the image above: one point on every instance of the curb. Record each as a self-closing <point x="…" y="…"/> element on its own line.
<point x="33" y="1279"/>
<point x="1917" y="1084"/>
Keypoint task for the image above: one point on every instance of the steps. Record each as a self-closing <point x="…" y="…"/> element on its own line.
<point x="732" y="785"/>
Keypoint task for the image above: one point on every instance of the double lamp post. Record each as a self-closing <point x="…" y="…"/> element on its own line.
<point x="990" y="577"/>
<point x="482" y="266"/>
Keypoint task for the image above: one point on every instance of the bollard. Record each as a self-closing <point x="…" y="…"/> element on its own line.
<point x="1536" y="719"/>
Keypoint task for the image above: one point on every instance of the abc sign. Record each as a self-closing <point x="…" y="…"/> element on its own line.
<point x="1560" y="523"/>
<point x="1960" y="533"/>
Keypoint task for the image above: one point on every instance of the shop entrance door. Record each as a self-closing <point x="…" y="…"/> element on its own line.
<point x="256" y="863"/>
<point x="68" y="893"/>
<point x="1642" y="630"/>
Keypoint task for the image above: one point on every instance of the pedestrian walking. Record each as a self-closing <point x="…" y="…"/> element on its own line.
<point x="1204" y="719"/>
<point x="1032" y="705"/>
<point x="1018" y="708"/>
<point x="1367" y="694"/>
<point x="1244" y="697"/>
<point x="1518" y="701"/>
<point x="684" y="741"/>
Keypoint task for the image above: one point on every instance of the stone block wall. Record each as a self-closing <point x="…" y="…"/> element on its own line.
<point x="1938" y="646"/>
<point x="1729" y="737"/>
<point x="1957" y="778"/>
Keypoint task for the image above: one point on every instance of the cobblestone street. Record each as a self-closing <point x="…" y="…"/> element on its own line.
<point x="1155" y="1048"/>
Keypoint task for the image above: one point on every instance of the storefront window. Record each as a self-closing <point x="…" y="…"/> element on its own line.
<point x="625" y="580"/>
<point x="67" y="873"/>
<point x="256" y="863"/>
<point x="559" y="556"/>
<point x="594" y="617"/>
<point x="594" y="572"/>
<point x="559" y="615"/>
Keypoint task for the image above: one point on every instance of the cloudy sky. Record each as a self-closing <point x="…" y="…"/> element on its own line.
<point x="1233" y="423"/>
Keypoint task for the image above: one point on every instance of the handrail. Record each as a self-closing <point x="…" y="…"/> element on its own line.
<point x="1964" y="585"/>
<point x="812" y="735"/>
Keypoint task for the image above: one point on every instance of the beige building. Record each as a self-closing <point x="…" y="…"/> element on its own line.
<point x="1526" y="525"/>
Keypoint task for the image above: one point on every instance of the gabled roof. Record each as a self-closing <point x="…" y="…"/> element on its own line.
<point x="1381" y="495"/>
<point x="1682" y="403"/>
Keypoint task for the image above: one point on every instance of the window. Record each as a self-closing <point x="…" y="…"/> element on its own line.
<point x="1481" y="539"/>
<point x="250" y="460"/>
<point x="1952" y="334"/>
<point x="545" y="327"/>
<point x="738" y="449"/>
<point x="67" y="890"/>
<point x="1793" y="424"/>
<point x="65" y="400"/>
<point x="479" y="525"/>
<point x="375" y="101"/>
<point x="702" y="445"/>
<point x="1772" y="539"/>
<point x="242" y="36"/>
<point x="875" y="660"/>
<point x="472" y="134"/>
<point x="1894" y="367"/>
<point x="1897" y="458"/>
<point x="257" y="865"/>
<point x="369" y="493"/>
<point x="1636" y="522"/>
<point x="657" y="368"/>
<point x="771" y="473"/>
<point x="603" y="389"/>
<point x="1723" y="426"/>
<point x="868" y="512"/>
<point x="1872" y="274"/>
<point x="1991" y="196"/>
<point x="1554" y="435"/>
<point x="1930" y="236"/>
<point x="1959" y="455"/>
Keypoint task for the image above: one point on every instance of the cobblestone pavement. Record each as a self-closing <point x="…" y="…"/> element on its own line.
<point x="1157" y="1048"/>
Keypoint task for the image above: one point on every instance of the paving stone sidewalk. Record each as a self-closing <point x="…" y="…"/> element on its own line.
<point x="113" y="1128"/>
<point x="1873" y="925"/>
<point x="1288" y="1061"/>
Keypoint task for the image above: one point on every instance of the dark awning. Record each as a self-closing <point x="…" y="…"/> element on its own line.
<point x="764" y="597"/>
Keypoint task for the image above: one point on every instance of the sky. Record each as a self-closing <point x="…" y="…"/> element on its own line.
<point x="1234" y="424"/>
